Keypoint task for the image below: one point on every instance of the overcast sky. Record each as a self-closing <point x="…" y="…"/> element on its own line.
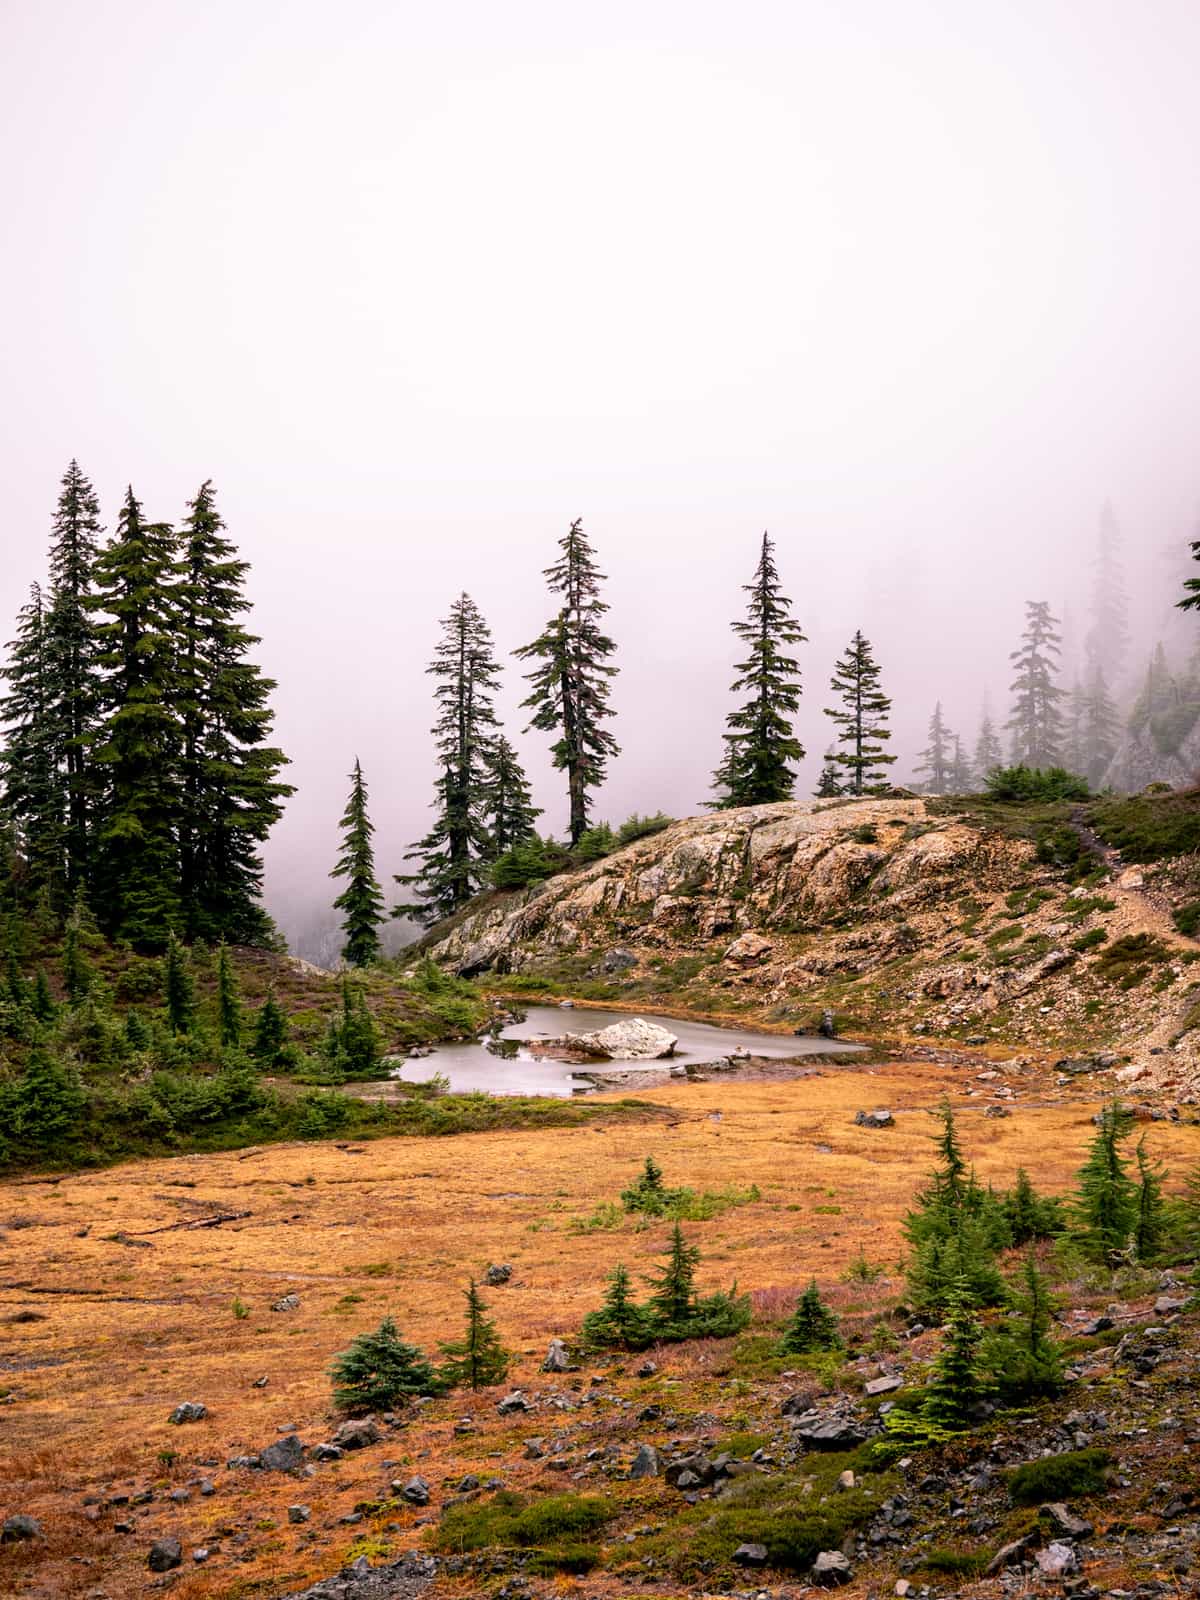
<point x="912" y="285"/>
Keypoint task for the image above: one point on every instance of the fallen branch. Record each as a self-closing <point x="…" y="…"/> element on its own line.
<point x="198" y="1222"/>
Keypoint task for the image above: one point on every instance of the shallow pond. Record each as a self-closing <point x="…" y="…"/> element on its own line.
<point x="473" y="1065"/>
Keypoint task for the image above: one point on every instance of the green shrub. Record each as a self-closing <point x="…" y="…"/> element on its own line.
<point x="1022" y="783"/>
<point x="1127" y="961"/>
<point x="635" y="827"/>
<point x="1073" y="1474"/>
<point x="555" y="1530"/>
<point x="1187" y="919"/>
<point x="1089" y="941"/>
<point x="1149" y="827"/>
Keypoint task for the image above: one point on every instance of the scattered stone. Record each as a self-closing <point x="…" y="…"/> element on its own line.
<point x="357" y="1434"/>
<point x="415" y="1491"/>
<point x="1010" y="1555"/>
<point x="289" y="1302"/>
<point x="557" y="1359"/>
<point x="468" y="1485"/>
<point x="165" y="1555"/>
<point x="514" y="1402"/>
<point x="832" y="1568"/>
<point x="997" y="1111"/>
<point x="634" y="1040"/>
<point x="299" y="1513"/>
<point x="181" y="1497"/>
<point x="188" y="1411"/>
<point x="846" y="1479"/>
<point x="827" y="1027"/>
<point x="1166" y="1304"/>
<point x="1056" y="1560"/>
<point x="750" y="1555"/>
<point x="1066" y="1522"/>
<point x="884" y="1385"/>
<point x="647" y="1369"/>
<point x="835" y="1429"/>
<point x="200" y="1556"/>
<point x="285" y="1455"/>
<point x="534" y="1449"/>
<point x="20" y="1527"/>
<point x="748" y="949"/>
<point x="690" y="1472"/>
<point x="874" y="1119"/>
<point x="498" y="1274"/>
<point x="617" y="960"/>
<point x="260" y="1383"/>
<point x="326" y="1452"/>
<point x="647" y="1463"/>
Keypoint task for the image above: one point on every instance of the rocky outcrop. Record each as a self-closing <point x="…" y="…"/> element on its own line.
<point x="635" y="1040"/>
<point x="733" y="872"/>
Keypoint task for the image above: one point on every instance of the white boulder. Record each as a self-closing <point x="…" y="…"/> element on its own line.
<point x="635" y="1040"/>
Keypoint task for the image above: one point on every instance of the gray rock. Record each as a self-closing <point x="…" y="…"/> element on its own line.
<point x="647" y="1463"/>
<point x="750" y="1555"/>
<point x="327" y="1452"/>
<point x="201" y="1555"/>
<point x="298" y="1513"/>
<point x="285" y="1455"/>
<point x="289" y="1302"/>
<point x="416" y="1491"/>
<point x="827" y="1027"/>
<point x="874" y="1119"/>
<point x="165" y="1554"/>
<point x="513" y="1403"/>
<point x="997" y="1111"/>
<point x="357" y="1434"/>
<point x="557" y="1359"/>
<point x="1066" y="1522"/>
<point x="188" y="1411"/>
<point x="1166" y="1304"/>
<point x="696" y="1469"/>
<point x="497" y="1274"/>
<point x="632" y="1040"/>
<point x="647" y="1369"/>
<point x="832" y="1568"/>
<point x="1056" y="1560"/>
<point x="617" y="960"/>
<point x="236" y="1462"/>
<point x="748" y="949"/>
<point x="20" y="1527"/>
<point x="878" y="1386"/>
<point x="1011" y="1555"/>
<point x="468" y="1484"/>
<point x="829" y="1430"/>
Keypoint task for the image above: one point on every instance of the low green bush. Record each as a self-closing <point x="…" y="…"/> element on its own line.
<point x="1072" y="1474"/>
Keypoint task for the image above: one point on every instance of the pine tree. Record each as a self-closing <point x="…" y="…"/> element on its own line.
<point x="1150" y="1227"/>
<point x="1023" y="1361"/>
<point x="509" y="809"/>
<point x="361" y="901"/>
<point x="1099" y="730"/>
<point x="761" y="747"/>
<point x="648" y="1193"/>
<point x="230" y="793"/>
<point x="29" y="790"/>
<point x="954" y="1231"/>
<point x="619" y="1323"/>
<point x="41" y="1002"/>
<point x="988" y="753"/>
<point x="379" y="1372"/>
<point x="138" y="737"/>
<point x="179" y="991"/>
<point x="1107" y="1203"/>
<point x="812" y="1327"/>
<point x="1030" y="1216"/>
<point x="1106" y="643"/>
<point x="960" y="769"/>
<point x="957" y="1382"/>
<point x="72" y="664"/>
<point x="457" y="850"/>
<point x="229" y="1000"/>
<point x="862" y="724"/>
<point x="478" y="1359"/>
<point x="673" y="1301"/>
<point x="76" y="974"/>
<point x="1036" y="722"/>
<point x="938" y="758"/>
<point x="270" y="1032"/>
<point x="45" y="1106"/>
<point x="828" y="784"/>
<point x="572" y="679"/>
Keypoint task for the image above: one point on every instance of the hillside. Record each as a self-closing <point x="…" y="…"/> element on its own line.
<point x="961" y="922"/>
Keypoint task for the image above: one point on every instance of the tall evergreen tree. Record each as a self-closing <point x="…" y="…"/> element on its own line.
<point x="829" y="785"/>
<point x="937" y="759"/>
<point x="1036" y="722"/>
<point x="1100" y="727"/>
<point x="988" y="753"/>
<point x="761" y="748"/>
<point x="1106" y="644"/>
<point x="137" y="741"/>
<point x="572" y="678"/>
<point x="812" y="1327"/>
<point x="862" y="721"/>
<point x="361" y="901"/>
<point x="229" y="1000"/>
<point x="31" y="796"/>
<point x="230" y="793"/>
<point x="510" y="811"/>
<point x="1107" y="1204"/>
<point x="478" y="1359"/>
<point x="455" y="853"/>
<point x="179" y="990"/>
<point x="72" y="664"/>
<point x="960" y="769"/>
<point x="673" y="1301"/>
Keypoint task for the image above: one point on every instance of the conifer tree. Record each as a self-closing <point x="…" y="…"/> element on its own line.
<point x="509" y="809"/>
<point x="1030" y="1216"/>
<point x="179" y="990"/>
<point x="619" y="1323"/>
<point x="1022" y="1359"/>
<point x="988" y="752"/>
<point x="1106" y="644"/>
<point x="957" y="1382"/>
<point x="457" y="850"/>
<point x="230" y="794"/>
<point x="862" y="721"/>
<point x="270" y="1031"/>
<point x="1099" y="728"/>
<point x="380" y="1371"/>
<point x="361" y="901"/>
<point x="1107" y="1203"/>
<point x="761" y="748"/>
<point x="229" y="1000"/>
<point x="960" y="769"/>
<point x="41" y="1002"/>
<point x="828" y="784"/>
<point x="29" y="789"/>
<point x="673" y="1300"/>
<point x="76" y="974"/>
<point x="72" y="665"/>
<point x="1150" y="1227"/>
<point x="1036" y="722"/>
<point x="954" y="1231"/>
<point x="937" y="759"/>
<point x="137" y="741"/>
<point x="478" y="1359"/>
<point x="572" y="678"/>
<point x="44" y="1107"/>
<point x="812" y="1327"/>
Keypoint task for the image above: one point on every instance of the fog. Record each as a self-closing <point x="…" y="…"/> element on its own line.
<point x="911" y="285"/>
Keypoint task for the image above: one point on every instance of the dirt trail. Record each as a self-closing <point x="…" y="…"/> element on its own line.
<point x="1138" y="912"/>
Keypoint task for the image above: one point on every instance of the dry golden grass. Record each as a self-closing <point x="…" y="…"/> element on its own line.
<point x="129" y="1332"/>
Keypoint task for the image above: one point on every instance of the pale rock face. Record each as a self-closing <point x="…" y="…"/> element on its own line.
<point x="635" y="1040"/>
